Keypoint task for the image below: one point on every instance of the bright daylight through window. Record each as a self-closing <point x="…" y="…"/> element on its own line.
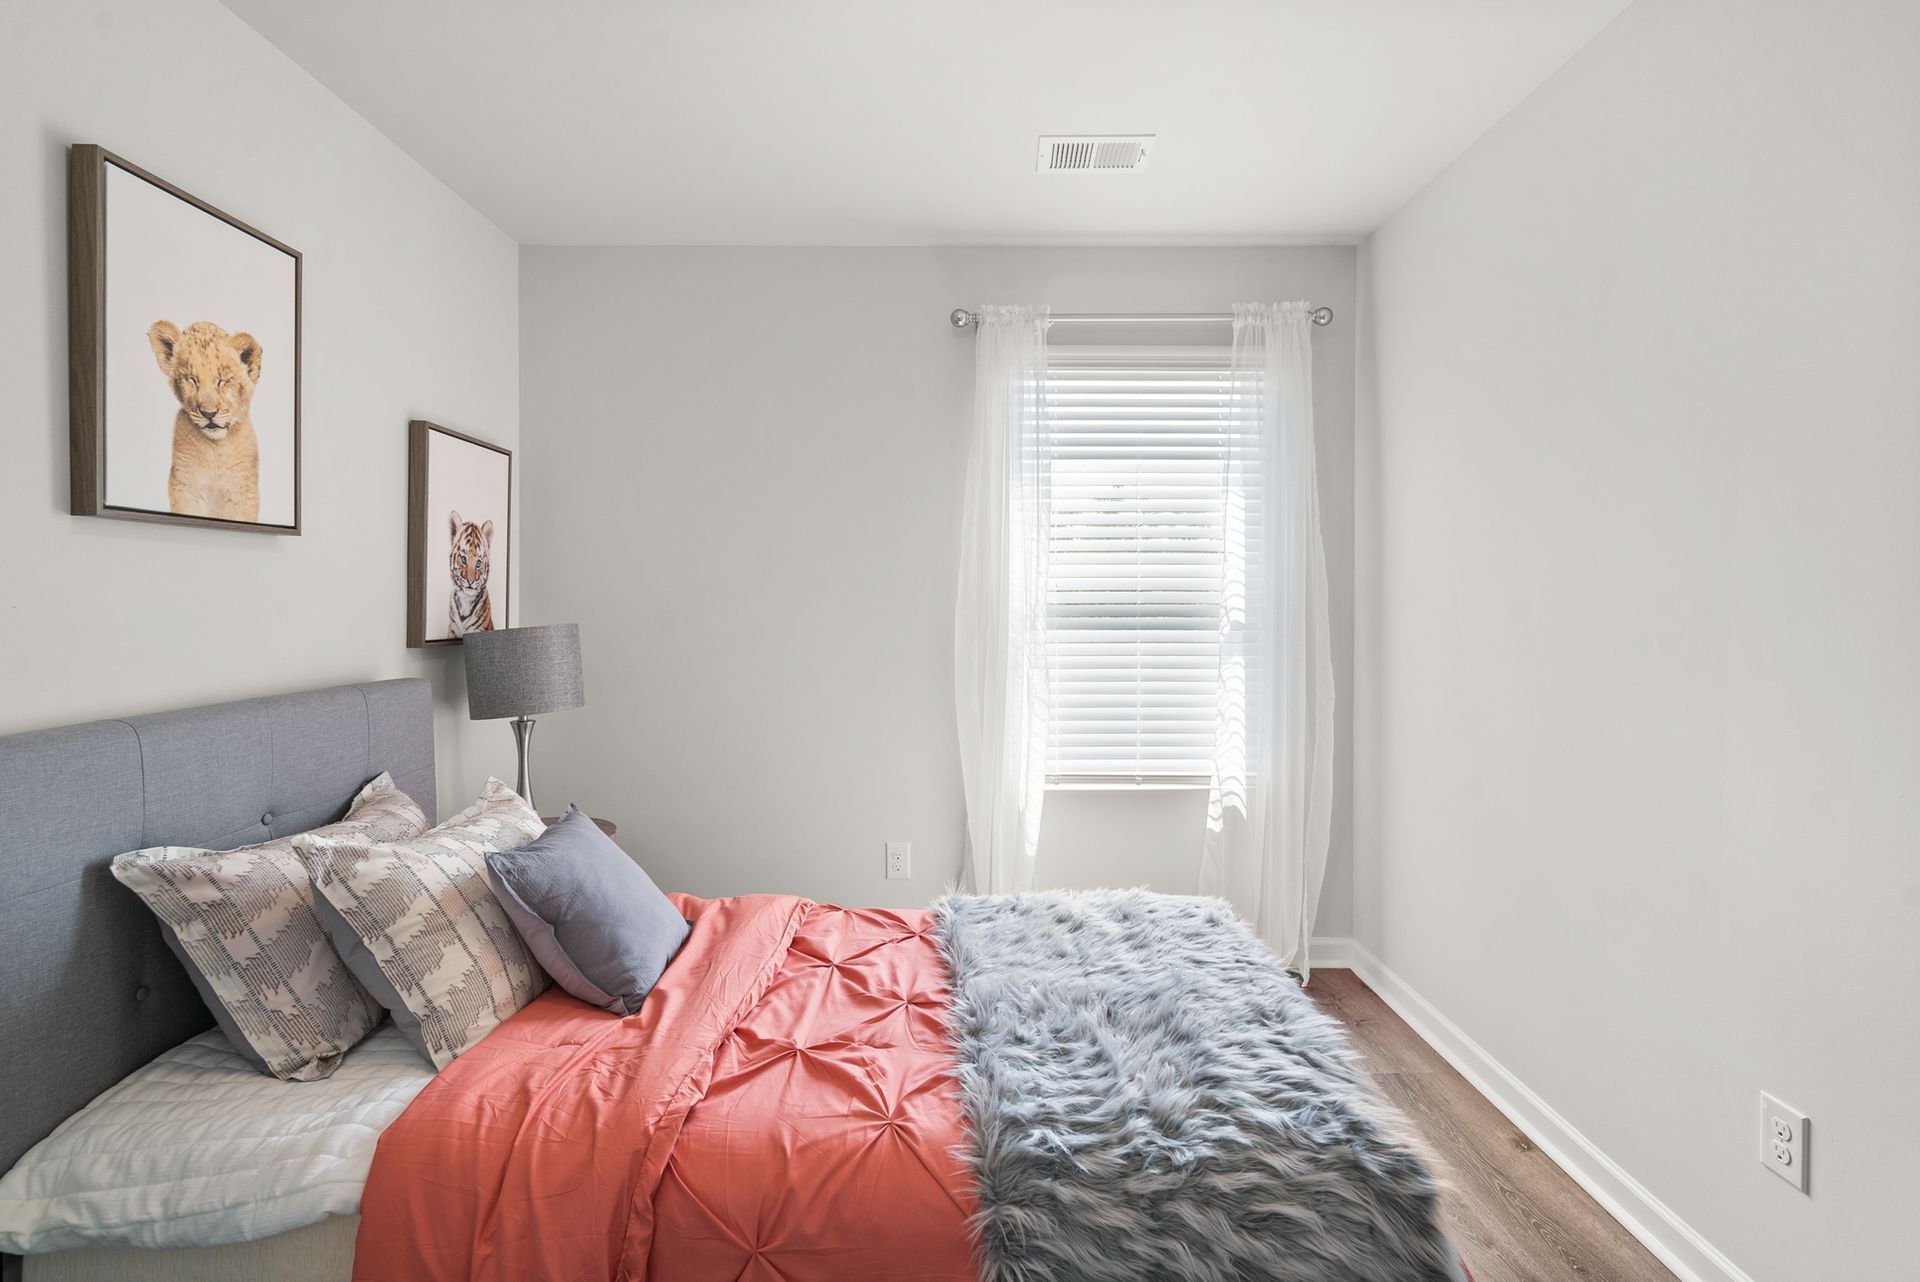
<point x="1139" y="442"/>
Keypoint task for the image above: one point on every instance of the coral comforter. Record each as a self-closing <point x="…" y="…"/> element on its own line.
<point x="782" y="1107"/>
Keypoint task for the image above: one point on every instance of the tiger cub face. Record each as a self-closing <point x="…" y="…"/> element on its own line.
<point x="468" y="561"/>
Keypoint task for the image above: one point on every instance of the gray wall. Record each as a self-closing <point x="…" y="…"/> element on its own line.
<point x="411" y="310"/>
<point x="1640" y="611"/>
<point x="747" y="490"/>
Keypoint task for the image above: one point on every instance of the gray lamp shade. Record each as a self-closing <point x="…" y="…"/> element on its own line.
<point x="519" y="672"/>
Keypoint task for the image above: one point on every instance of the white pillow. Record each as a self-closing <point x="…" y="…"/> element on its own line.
<point x="199" y="1149"/>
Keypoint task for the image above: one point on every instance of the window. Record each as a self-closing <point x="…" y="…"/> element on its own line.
<point x="1140" y="439"/>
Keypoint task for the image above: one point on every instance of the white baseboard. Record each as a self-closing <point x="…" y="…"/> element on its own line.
<point x="1335" y="951"/>
<point x="1677" y="1244"/>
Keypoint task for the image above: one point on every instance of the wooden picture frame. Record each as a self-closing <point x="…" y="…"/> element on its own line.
<point x="435" y="574"/>
<point x="207" y="483"/>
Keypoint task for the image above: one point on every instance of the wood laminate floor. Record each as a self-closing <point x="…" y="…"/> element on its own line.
<point x="1515" y="1216"/>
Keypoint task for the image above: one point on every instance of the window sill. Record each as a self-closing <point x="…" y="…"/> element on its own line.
<point x="1177" y="783"/>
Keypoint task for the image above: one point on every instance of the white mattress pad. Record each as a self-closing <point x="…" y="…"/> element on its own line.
<point x="198" y="1148"/>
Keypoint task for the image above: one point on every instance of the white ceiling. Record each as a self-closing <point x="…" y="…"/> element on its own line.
<point x="910" y="122"/>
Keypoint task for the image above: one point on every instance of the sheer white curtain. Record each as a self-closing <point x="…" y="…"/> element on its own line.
<point x="1000" y="614"/>
<point x="1271" y="800"/>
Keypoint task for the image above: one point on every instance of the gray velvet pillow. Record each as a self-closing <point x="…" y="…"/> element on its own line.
<point x="591" y="916"/>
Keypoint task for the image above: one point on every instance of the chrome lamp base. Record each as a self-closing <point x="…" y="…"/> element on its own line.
<point x="523" y="740"/>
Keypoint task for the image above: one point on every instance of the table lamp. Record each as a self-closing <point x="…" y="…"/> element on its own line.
<point x="517" y="672"/>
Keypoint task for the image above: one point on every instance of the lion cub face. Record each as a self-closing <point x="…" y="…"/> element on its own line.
<point x="213" y="373"/>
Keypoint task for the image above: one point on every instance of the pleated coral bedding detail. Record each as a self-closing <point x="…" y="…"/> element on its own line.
<point x="782" y="1107"/>
<point x="785" y="1107"/>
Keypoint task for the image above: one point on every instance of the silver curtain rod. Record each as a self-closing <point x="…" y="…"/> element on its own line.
<point x="964" y="319"/>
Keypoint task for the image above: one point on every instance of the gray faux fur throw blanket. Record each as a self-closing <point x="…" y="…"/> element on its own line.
<point x="1149" y="1096"/>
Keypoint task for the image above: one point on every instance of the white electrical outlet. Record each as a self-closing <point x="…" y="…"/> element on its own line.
<point x="899" y="861"/>
<point x="1783" y="1140"/>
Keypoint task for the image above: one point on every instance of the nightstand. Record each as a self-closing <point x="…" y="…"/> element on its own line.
<point x="607" y="826"/>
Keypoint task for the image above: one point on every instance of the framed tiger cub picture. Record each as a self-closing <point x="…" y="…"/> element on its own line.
<point x="459" y="545"/>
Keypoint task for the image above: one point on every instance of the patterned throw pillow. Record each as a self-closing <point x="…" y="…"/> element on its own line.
<point x="419" y="926"/>
<point x="243" y="922"/>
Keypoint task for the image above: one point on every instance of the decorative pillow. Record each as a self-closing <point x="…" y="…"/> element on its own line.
<point x="243" y="923"/>
<point x="591" y="915"/>
<point x="417" y="924"/>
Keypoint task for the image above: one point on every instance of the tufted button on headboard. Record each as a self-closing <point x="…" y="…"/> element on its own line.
<point x="91" y="992"/>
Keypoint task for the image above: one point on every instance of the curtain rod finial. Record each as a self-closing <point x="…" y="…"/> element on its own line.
<point x="1323" y="315"/>
<point x="962" y="318"/>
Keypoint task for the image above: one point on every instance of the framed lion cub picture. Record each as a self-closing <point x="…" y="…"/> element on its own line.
<point x="184" y="355"/>
<point x="459" y="513"/>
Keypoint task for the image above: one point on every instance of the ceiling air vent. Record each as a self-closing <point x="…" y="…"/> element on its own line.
<point x="1093" y="153"/>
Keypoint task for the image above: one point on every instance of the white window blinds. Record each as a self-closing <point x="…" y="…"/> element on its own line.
<point x="1139" y="441"/>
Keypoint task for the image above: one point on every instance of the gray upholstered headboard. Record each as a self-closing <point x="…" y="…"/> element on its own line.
<point x="88" y="993"/>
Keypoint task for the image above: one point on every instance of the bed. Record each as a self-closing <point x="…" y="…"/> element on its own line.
<point x="811" y="1091"/>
